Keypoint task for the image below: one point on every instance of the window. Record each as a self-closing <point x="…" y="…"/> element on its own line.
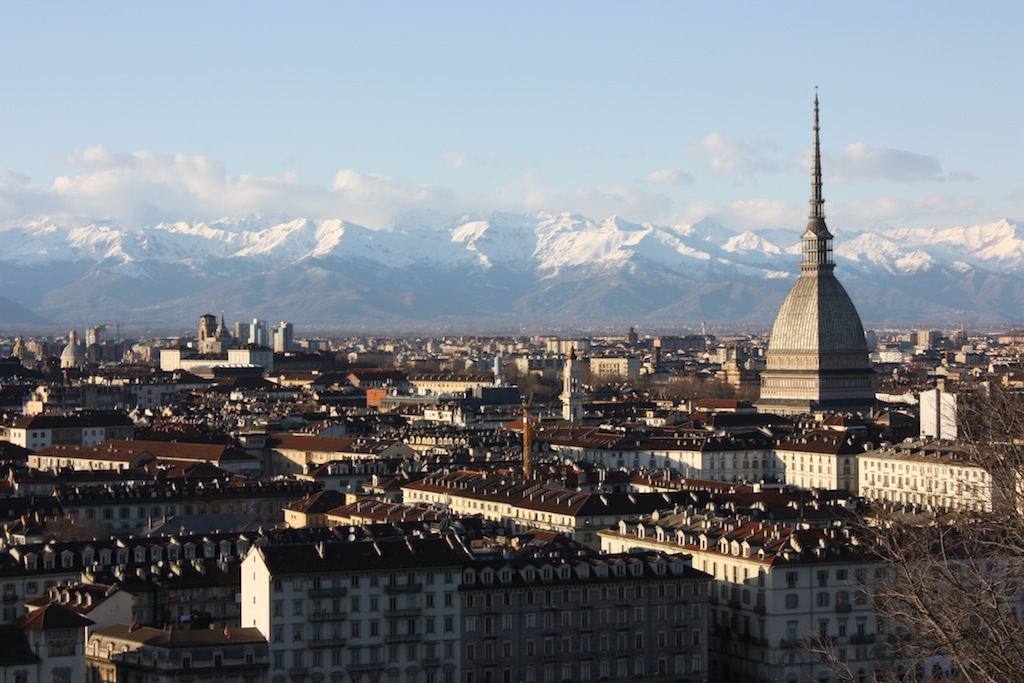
<point x="792" y="600"/>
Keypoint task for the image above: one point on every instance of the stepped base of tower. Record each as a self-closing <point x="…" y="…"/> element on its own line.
<point x="799" y="406"/>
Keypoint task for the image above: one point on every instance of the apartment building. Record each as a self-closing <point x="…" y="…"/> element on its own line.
<point x="78" y="429"/>
<point x="933" y="475"/>
<point x="168" y="655"/>
<point x="378" y="609"/>
<point x="782" y="594"/>
<point x="820" y="459"/>
<point x="524" y="504"/>
<point x="584" y="618"/>
<point x="721" y="457"/>
<point x="130" y="508"/>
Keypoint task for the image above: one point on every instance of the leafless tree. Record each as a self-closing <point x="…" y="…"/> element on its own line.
<point x="76" y="529"/>
<point x="949" y="585"/>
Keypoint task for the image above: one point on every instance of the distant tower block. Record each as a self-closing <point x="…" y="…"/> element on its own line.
<point x="817" y="356"/>
<point x="572" y="389"/>
<point x="938" y="415"/>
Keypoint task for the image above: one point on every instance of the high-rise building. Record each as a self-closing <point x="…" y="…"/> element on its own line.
<point x="572" y="389"/>
<point x="258" y="332"/>
<point x="283" y="337"/>
<point x="817" y="356"/>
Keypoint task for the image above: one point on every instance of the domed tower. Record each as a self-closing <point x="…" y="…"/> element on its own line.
<point x="73" y="355"/>
<point x="817" y="356"/>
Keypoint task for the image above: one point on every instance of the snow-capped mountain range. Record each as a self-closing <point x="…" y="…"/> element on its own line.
<point x="499" y="269"/>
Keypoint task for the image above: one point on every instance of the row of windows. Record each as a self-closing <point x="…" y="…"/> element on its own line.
<point x="621" y="668"/>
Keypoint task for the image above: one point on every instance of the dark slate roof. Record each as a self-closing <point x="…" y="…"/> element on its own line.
<point x="379" y="555"/>
<point x="14" y="647"/>
<point x="318" y="502"/>
<point x="92" y="418"/>
<point x="183" y="638"/>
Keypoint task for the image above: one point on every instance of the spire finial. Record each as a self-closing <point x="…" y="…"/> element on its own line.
<point x="817" y="240"/>
<point x="817" y="203"/>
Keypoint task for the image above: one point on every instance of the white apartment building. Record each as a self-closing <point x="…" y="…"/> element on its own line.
<point x="933" y="475"/>
<point x="357" y="612"/>
<point x="820" y="459"/>
<point x="780" y="594"/>
<point x="611" y="369"/>
<point x="523" y="505"/>
<point x="748" y="457"/>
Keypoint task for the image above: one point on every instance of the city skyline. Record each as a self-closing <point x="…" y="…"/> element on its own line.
<point x="665" y="114"/>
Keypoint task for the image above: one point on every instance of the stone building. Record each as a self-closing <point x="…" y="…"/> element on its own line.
<point x="122" y="653"/>
<point x="586" y="618"/>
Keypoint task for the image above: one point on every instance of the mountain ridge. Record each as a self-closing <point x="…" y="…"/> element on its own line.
<point x="493" y="269"/>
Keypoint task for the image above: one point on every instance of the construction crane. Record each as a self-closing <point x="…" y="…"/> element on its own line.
<point x="527" y="438"/>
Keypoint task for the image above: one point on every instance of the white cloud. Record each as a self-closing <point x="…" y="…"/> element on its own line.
<point x="862" y="163"/>
<point x="456" y="159"/>
<point x="962" y="176"/>
<point x="903" y="210"/>
<point x="99" y="157"/>
<point x="144" y="188"/>
<point x="668" y="177"/>
<point x="747" y="214"/>
<point x="736" y="158"/>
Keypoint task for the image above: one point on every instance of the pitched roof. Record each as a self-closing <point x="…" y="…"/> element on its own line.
<point x="52" y="617"/>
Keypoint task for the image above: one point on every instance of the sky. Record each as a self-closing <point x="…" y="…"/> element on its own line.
<point x="385" y="113"/>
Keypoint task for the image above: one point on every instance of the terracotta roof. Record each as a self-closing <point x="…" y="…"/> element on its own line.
<point x="318" y="502"/>
<point x="52" y="617"/>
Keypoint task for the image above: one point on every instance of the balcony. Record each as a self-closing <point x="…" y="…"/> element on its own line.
<point x="431" y="662"/>
<point x="733" y="603"/>
<point x="10" y="597"/>
<point x="393" y="588"/>
<point x="843" y="607"/>
<point x="327" y="642"/>
<point x="403" y="638"/>
<point x="408" y="612"/>
<point x="759" y="609"/>
<point x="328" y="592"/>
<point x="366" y="667"/>
<point x="298" y="671"/>
<point x="862" y="638"/>
<point x="318" y="617"/>
<point x="750" y="639"/>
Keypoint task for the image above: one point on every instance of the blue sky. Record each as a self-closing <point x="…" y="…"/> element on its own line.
<point x="656" y="111"/>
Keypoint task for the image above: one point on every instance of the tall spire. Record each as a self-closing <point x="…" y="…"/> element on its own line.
<point x="817" y="203"/>
<point x="817" y="240"/>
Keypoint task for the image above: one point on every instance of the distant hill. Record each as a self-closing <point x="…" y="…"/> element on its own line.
<point x="12" y="313"/>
